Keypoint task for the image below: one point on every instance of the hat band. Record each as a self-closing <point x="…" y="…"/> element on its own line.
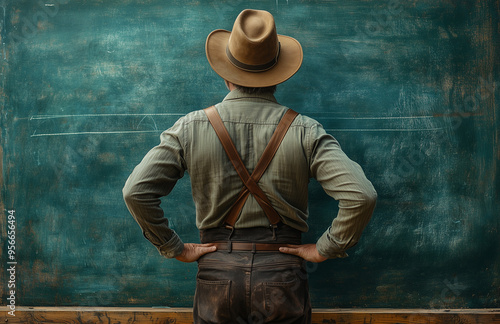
<point x="253" y="68"/>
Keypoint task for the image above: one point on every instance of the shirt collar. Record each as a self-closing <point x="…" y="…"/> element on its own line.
<point x="238" y="95"/>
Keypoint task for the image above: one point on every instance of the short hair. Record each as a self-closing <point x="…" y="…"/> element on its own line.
<point x="263" y="90"/>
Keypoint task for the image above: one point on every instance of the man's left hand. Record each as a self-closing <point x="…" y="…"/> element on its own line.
<point x="308" y="252"/>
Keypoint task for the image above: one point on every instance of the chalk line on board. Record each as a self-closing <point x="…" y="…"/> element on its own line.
<point x="92" y="133"/>
<point x="38" y="117"/>
<point x="382" y="129"/>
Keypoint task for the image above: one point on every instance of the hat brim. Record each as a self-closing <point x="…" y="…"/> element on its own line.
<point x="289" y="62"/>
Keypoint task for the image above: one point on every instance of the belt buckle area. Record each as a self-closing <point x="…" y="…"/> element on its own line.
<point x="230" y="247"/>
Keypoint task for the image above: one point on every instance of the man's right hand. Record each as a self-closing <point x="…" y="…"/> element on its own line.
<point x="193" y="252"/>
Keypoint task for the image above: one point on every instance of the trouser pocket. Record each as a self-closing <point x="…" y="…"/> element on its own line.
<point x="211" y="301"/>
<point x="282" y="302"/>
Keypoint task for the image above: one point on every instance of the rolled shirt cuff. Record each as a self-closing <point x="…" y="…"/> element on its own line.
<point x="328" y="248"/>
<point x="172" y="248"/>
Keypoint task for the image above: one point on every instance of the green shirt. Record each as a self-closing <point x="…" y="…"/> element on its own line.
<point x="307" y="151"/>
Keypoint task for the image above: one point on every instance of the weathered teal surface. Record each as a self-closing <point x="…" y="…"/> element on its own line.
<point x="409" y="88"/>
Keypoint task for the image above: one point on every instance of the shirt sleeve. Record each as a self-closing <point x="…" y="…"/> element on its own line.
<point x="345" y="181"/>
<point x="152" y="179"/>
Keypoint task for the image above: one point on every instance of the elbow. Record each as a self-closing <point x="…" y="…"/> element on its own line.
<point x="371" y="197"/>
<point x="367" y="198"/>
<point x="128" y="194"/>
<point x="135" y="195"/>
<point x="127" y="197"/>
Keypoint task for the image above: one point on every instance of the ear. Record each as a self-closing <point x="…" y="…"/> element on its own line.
<point x="230" y="86"/>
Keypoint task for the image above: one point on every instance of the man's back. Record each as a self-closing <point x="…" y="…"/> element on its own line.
<point x="251" y="121"/>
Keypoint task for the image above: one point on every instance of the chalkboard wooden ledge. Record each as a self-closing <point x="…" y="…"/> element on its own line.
<point x="183" y="315"/>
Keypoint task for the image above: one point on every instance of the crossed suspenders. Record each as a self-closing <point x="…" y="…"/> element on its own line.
<point x="250" y="181"/>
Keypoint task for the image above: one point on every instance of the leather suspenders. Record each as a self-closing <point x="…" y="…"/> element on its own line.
<point x="250" y="181"/>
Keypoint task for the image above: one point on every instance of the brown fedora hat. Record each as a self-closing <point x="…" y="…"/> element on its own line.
<point x="253" y="54"/>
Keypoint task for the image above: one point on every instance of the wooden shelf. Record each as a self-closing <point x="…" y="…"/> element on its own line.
<point x="184" y="316"/>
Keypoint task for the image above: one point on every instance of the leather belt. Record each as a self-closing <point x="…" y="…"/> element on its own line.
<point x="248" y="246"/>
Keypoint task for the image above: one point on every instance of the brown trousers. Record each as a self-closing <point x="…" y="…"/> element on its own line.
<point x="252" y="287"/>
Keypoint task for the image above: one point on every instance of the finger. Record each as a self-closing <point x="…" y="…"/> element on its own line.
<point x="206" y="244"/>
<point x="289" y="250"/>
<point x="207" y="249"/>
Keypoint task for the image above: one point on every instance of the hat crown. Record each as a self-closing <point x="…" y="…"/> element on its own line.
<point x="253" y="54"/>
<point x="253" y="40"/>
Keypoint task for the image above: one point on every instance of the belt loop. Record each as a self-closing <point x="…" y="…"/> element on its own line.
<point x="229" y="243"/>
<point x="253" y="248"/>
<point x="232" y="231"/>
<point x="273" y="228"/>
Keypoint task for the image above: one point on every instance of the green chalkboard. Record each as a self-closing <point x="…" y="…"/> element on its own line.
<point x="409" y="89"/>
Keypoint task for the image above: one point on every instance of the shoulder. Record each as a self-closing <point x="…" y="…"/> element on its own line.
<point x="195" y="115"/>
<point x="189" y="118"/>
<point x="185" y="122"/>
<point x="306" y="121"/>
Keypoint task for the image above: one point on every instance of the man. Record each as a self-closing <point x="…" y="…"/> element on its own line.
<point x="251" y="207"/>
